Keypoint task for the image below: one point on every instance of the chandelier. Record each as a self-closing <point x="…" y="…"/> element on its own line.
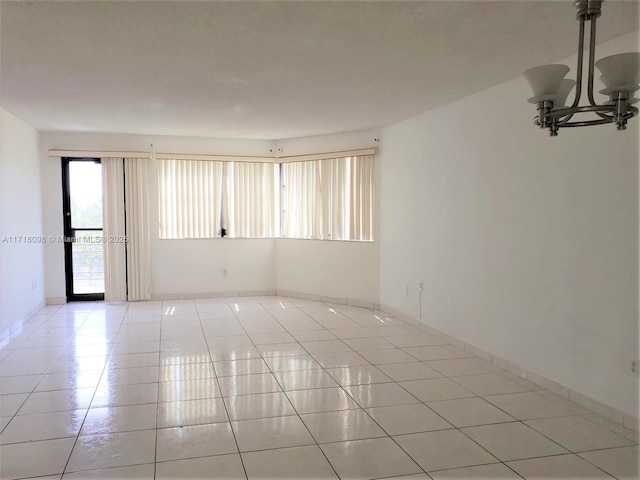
<point x="620" y="76"/>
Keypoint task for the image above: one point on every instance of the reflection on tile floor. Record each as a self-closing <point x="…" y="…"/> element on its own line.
<point x="271" y="388"/>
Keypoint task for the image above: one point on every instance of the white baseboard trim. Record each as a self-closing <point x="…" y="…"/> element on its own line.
<point x="351" y="302"/>
<point x="199" y="296"/>
<point x="607" y="411"/>
<point x="19" y="324"/>
<point x="55" y="300"/>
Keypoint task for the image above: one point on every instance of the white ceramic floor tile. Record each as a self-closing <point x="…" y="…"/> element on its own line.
<point x="380" y="395"/>
<point x="19" y="384"/>
<point x="188" y="390"/>
<point x="221" y="467"/>
<point x="43" y="426"/>
<point x="622" y="462"/>
<point x="466" y="412"/>
<point x="10" y="404"/>
<point x="457" y="366"/>
<point x="18" y="459"/>
<point x="527" y="405"/>
<point x="342" y="425"/>
<point x="366" y="459"/>
<point x="362" y="375"/>
<point x="388" y="355"/>
<point x="340" y="359"/>
<point x="119" y="419"/>
<point x="325" y="346"/>
<point x="119" y="395"/>
<point x="433" y="353"/>
<point x="187" y="371"/>
<point x="443" y="449"/>
<point x="489" y="384"/>
<point x="400" y="372"/>
<point x="372" y="343"/>
<point x="408" y="341"/>
<point x="436" y="389"/>
<point x="232" y="368"/>
<point x="412" y="418"/>
<point x="57" y="401"/>
<point x="113" y="450"/>
<point x="513" y="441"/>
<point x="191" y="412"/>
<point x="269" y="433"/>
<point x="290" y="363"/>
<point x="281" y="349"/>
<point x="559" y="466"/>
<point x="305" y="379"/>
<point x="321" y="400"/>
<point x="248" y="384"/>
<point x="578" y="434"/>
<point x="137" y="472"/>
<point x="288" y="463"/>
<point x="493" y="471"/>
<point x="195" y="441"/>
<point x="248" y="407"/>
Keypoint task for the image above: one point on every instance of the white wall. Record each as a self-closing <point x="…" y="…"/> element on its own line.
<point x="345" y="270"/>
<point x="178" y="267"/>
<point x="527" y="245"/>
<point x="21" y="264"/>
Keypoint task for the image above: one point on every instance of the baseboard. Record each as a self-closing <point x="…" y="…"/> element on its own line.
<point x="607" y="411"/>
<point x="351" y="302"/>
<point x="19" y="324"/>
<point x="199" y="296"/>
<point x="55" y="300"/>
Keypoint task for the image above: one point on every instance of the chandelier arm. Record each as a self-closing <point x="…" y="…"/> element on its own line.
<point x="579" y="68"/>
<point x="592" y="57"/>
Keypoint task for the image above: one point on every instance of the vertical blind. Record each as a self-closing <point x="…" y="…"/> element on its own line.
<point x="321" y="199"/>
<point x="190" y="198"/>
<point x="329" y="199"/>
<point x="199" y="198"/>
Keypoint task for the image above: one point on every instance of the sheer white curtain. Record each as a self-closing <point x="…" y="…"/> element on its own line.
<point x="251" y="196"/>
<point x="136" y="172"/>
<point x="190" y="198"/>
<point x="115" y="275"/>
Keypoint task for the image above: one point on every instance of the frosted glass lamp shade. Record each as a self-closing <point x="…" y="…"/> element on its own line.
<point x="560" y="99"/>
<point x="620" y="73"/>
<point x="545" y="81"/>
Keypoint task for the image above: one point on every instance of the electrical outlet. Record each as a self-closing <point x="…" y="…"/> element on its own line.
<point x="422" y="286"/>
<point x="224" y="272"/>
<point x="634" y="367"/>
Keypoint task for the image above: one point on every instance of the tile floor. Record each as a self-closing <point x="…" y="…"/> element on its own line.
<point x="273" y="388"/>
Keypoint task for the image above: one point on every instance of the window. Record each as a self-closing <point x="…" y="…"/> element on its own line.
<point x="200" y="198"/>
<point x="329" y="199"/>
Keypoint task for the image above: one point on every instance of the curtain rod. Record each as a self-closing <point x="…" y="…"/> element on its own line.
<point x="97" y="153"/>
<point x="218" y="158"/>
<point x="215" y="158"/>
<point x="327" y="155"/>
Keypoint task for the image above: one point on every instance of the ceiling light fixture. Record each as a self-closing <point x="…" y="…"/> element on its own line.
<point x="620" y="76"/>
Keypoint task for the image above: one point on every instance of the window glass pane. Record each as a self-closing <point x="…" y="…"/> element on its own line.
<point x="87" y="253"/>
<point x="85" y="182"/>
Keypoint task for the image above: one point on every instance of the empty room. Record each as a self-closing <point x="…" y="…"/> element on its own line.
<point x="319" y="239"/>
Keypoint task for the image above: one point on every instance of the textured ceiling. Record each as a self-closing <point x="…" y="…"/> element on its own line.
<point x="270" y="69"/>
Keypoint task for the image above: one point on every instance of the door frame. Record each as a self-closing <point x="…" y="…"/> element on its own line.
<point x="69" y="234"/>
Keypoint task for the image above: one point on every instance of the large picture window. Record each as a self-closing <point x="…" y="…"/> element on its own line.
<point x="329" y="199"/>
<point x="209" y="199"/>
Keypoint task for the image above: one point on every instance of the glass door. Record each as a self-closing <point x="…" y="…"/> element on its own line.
<point x="83" y="247"/>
